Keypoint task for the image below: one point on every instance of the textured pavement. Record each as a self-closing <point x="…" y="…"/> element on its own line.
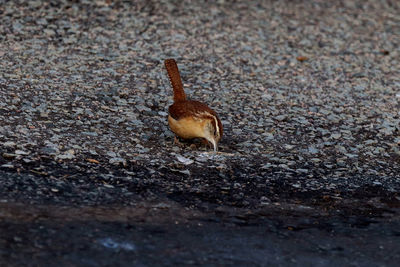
<point x="308" y="93"/>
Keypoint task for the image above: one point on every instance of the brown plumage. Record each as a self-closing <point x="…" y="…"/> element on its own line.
<point x="188" y="118"/>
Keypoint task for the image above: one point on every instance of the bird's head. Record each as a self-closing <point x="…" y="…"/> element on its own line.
<point x="213" y="131"/>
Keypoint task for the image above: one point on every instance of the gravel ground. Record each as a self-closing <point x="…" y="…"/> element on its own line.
<point x="308" y="93"/>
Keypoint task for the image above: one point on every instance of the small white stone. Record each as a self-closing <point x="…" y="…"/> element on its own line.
<point x="184" y="160"/>
<point x="10" y="166"/>
<point x="9" y="144"/>
<point x="21" y="152"/>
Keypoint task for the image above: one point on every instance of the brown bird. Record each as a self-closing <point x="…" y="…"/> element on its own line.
<point x="188" y="118"/>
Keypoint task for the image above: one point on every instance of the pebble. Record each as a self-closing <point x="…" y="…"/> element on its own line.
<point x="117" y="161"/>
<point x="336" y="136"/>
<point x="70" y="154"/>
<point x="9" y="166"/>
<point x="184" y="160"/>
<point x="9" y="144"/>
<point x="21" y="152"/>
<point x="111" y="154"/>
<point x="9" y="155"/>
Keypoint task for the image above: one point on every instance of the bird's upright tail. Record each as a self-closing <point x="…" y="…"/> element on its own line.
<point x="175" y="79"/>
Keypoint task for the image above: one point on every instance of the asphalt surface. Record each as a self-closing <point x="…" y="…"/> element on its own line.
<point x="307" y="173"/>
<point x="167" y="233"/>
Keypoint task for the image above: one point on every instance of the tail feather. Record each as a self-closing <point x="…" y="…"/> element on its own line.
<point x="175" y="79"/>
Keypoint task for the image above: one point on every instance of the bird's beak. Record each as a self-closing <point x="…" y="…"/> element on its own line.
<point x="215" y="144"/>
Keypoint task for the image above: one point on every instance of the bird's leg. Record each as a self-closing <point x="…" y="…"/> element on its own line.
<point x="206" y="143"/>
<point x="177" y="142"/>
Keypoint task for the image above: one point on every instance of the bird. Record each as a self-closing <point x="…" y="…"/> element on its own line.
<point x="190" y="119"/>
